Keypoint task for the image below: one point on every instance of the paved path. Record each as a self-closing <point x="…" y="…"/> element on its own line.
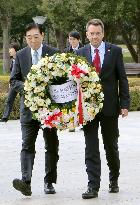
<point x="72" y="178"/>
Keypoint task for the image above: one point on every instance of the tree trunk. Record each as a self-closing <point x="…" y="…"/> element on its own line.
<point x="6" y="58"/>
<point x="138" y="46"/>
<point x="60" y="39"/>
<point x="129" y="46"/>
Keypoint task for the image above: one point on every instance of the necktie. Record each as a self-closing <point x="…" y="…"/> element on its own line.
<point x="35" y="57"/>
<point x="96" y="61"/>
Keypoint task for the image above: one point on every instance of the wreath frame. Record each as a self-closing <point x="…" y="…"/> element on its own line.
<point x="58" y="69"/>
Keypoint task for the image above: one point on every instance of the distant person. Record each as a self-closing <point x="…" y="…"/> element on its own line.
<point x="13" y="48"/>
<point x="74" y="44"/>
<point x="12" y="93"/>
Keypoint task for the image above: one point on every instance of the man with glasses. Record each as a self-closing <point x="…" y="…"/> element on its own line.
<point x="24" y="59"/>
<point x="108" y="61"/>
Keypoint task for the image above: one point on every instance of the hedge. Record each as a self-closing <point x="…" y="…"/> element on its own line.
<point x="135" y="100"/>
<point x="4" y="84"/>
<point x="134" y="84"/>
<point x="15" y="112"/>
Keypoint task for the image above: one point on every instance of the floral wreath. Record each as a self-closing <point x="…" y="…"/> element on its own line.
<point x="63" y="91"/>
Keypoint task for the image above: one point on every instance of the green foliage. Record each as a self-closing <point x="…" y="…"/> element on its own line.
<point x="135" y="100"/>
<point x="4" y="84"/>
<point x="64" y="15"/>
<point x="16" y="7"/>
<point x="134" y="86"/>
<point x="134" y="83"/>
<point x="17" y="31"/>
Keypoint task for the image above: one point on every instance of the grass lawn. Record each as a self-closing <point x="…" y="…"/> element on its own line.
<point x="126" y="54"/>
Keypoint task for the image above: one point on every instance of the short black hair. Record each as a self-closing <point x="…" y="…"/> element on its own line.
<point x="15" y="45"/>
<point x="34" y="25"/>
<point x="75" y="34"/>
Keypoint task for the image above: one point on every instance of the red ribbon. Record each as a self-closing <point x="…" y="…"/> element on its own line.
<point x="80" y="107"/>
<point x="77" y="71"/>
<point x="52" y="118"/>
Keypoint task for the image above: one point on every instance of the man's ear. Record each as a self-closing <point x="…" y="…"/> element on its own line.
<point x="43" y="34"/>
<point x="87" y="34"/>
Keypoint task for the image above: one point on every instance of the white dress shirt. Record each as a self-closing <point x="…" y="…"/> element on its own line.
<point x="76" y="48"/>
<point x="39" y="52"/>
<point x="101" y="49"/>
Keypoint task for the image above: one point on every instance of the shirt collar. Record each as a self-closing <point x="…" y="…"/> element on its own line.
<point x="101" y="48"/>
<point x="39" y="51"/>
<point x="76" y="48"/>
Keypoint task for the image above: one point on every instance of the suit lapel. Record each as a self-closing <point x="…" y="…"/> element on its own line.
<point x="106" y="58"/>
<point x="28" y="58"/>
<point x="44" y="50"/>
<point x="88" y="53"/>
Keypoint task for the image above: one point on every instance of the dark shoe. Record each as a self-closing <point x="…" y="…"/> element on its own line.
<point x="22" y="186"/>
<point x="90" y="193"/>
<point x="49" y="189"/>
<point x="113" y="187"/>
<point x="3" y="120"/>
<point x="71" y="130"/>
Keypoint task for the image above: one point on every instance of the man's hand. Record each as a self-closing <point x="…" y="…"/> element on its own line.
<point x="124" y="112"/>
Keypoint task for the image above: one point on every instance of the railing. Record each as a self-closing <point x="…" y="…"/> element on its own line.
<point x="132" y="69"/>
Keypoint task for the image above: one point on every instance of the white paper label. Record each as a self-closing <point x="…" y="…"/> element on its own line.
<point x="63" y="93"/>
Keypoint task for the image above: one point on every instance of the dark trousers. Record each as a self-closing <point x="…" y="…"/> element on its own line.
<point x="110" y="133"/>
<point x="9" y="102"/>
<point x="29" y="135"/>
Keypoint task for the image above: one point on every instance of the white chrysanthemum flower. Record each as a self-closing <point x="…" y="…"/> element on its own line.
<point x="33" y="108"/>
<point x="38" y="89"/>
<point x="47" y="102"/>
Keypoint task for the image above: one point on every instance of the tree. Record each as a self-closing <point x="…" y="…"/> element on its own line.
<point x="130" y="23"/>
<point x="64" y="18"/>
<point x="120" y="17"/>
<point x="17" y="30"/>
<point x="9" y="9"/>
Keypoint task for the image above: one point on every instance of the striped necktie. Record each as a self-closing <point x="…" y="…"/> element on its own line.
<point x="35" y="57"/>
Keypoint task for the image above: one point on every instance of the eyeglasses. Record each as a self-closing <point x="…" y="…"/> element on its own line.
<point x="95" y="34"/>
<point x="29" y="37"/>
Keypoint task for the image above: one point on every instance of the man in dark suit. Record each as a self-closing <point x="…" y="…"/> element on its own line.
<point x="30" y="127"/>
<point x="108" y="60"/>
<point x="14" y="47"/>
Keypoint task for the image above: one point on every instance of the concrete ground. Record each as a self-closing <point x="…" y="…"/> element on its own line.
<point x="72" y="178"/>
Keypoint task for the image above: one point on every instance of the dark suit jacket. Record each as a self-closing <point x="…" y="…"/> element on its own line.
<point x="113" y="79"/>
<point x="69" y="48"/>
<point x="23" y="63"/>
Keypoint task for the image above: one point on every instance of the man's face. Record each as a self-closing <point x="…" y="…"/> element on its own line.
<point x="73" y="41"/>
<point x="34" y="38"/>
<point x="12" y="52"/>
<point x="95" y="35"/>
